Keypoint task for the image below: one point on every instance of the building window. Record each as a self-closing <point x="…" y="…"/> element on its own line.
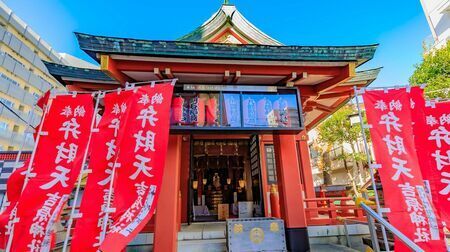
<point x="27" y="88"/>
<point x="9" y="79"/>
<point x="21" y="108"/>
<point x="16" y="128"/>
<point x="10" y="148"/>
<point x="14" y="59"/>
<point x="36" y="95"/>
<point x="270" y="164"/>
<point x="7" y="102"/>
<point x="3" y="126"/>
<point x="29" y="138"/>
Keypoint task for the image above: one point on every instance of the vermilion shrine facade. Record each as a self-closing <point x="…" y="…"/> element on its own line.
<point x="243" y="104"/>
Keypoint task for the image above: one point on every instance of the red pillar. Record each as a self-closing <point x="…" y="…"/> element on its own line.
<point x="305" y="164"/>
<point x="290" y="190"/>
<point x="166" y="224"/>
<point x="184" y="177"/>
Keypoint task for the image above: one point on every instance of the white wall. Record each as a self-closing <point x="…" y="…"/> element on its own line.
<point x="437" y="13"/>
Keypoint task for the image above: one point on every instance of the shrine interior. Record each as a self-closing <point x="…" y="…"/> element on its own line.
<point x="221" y="181"/>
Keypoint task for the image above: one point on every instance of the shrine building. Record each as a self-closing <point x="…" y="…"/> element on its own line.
<point x="242" y="106"/>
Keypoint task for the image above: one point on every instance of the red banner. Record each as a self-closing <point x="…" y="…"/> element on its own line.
<point x="141" y="155"/>
<point x="86" y="236"/>
<point x="14" y="187"/>
<point x="389" y="114"/>
<point x="57" y="163"/>
<point x="13" y="191"/>
<point x="432" y="135"/>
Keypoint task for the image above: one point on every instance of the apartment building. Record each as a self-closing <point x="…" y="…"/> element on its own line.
<point x="23" y="78"/>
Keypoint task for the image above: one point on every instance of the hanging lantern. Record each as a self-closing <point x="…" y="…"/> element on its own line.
<point x="241" y="183"/>
<point x="205" y="181"/>
<point x="228" y="181"/>
<point x="195" y="184"/>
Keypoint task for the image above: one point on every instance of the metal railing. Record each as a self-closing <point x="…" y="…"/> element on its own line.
<point x="384" y="223"/>
<point x="373" y="238"/>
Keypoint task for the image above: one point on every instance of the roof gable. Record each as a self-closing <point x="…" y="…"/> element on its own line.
<point x="227" y="19"/>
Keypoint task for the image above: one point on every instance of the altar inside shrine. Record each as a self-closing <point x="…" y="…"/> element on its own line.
<point x="222" y="183"/>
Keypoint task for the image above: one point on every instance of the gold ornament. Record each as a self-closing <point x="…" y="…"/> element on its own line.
<point x="238" y="228"/>
<point x="274" y="227"/>
<point x="257" y="235"/>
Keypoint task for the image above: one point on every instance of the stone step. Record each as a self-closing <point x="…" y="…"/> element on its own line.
<point x="330" y="247"/>
<point x="210" y="245"/>
<point x="202" y="231"/>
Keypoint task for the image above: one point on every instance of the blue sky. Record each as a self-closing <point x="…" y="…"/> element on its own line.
<point x="398" y="25"/>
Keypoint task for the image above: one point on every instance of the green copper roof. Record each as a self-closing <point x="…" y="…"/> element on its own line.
<point x="92" y="45"/>
<point x="365" y="75"/>
<point x="229" y="16"/>
<point x="59" y="71"/>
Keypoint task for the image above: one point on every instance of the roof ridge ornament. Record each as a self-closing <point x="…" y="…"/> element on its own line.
<point x="226" y="2"/>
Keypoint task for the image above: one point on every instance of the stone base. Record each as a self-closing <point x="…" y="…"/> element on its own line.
<point x="297" y="239"/>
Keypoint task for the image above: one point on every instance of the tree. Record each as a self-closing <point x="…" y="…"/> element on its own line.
<point x="338" y="130"/>
<point x="323" y="160"/>
<point x="434" y="71"/>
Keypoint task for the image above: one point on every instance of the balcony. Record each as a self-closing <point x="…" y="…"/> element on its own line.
<point x="6" y="113"/>
<point x="22" y="49"/>
<point x="16" y="139"/>
<point x="13" y="66"/>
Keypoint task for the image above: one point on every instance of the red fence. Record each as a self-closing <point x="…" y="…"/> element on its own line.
<point x="328" y="211"/>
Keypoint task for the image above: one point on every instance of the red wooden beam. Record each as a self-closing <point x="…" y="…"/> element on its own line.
<point x="347" y="72"/>
<point x="318" y="119"/>
<point x="189" y="67"/>
<point x="344" y="88"/>
<point x="334" y="95"/>
<point x="236" y="77"/>
<point x="109" y="66"/>
<point x="319" y="106"/>
<point x="324" y="108"/>
<point x="168" y="73"/>
<point x="226" y="76"/>
<point x="157" y="73"/>
<point x="228" y="30"/>
<point x="300" y="77"/>
<point x="307" y="91"/>
<point x="288" y="78"/>
<point x="71" y="87"/>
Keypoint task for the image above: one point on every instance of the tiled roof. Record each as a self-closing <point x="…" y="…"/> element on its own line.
<point x="59" y="71"/>
<point x="228" y="15"/>
<point x="365" y="75"/>
<point x="92" y="45"/>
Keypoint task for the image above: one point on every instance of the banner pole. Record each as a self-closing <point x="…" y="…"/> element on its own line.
<point x="84" y="170"/>
<point x="108" y="208"/>
<point x="369" y="162"/>
<point x="30" y="164"/>
<point x="108" y="202"/>
<point x="22" y="144"/>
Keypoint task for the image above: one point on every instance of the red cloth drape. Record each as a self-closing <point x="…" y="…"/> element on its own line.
<point x="142" y="148"/>
<point x="57" y="163"/>
<point x="411" y="210"/>
<point x="103" y="153"/>
<point x="211" y="112"/>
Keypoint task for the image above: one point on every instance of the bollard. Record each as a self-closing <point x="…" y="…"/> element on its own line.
<point x="275" y="201"/>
